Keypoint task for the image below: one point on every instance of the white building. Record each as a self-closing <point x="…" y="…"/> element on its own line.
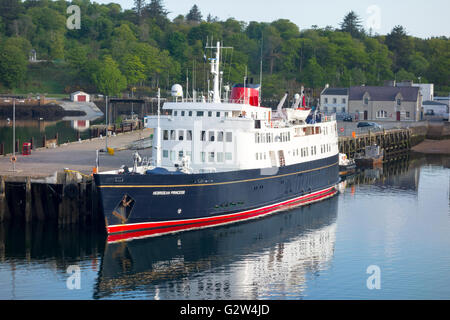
<point x="79" y="96"/>
<point x="334" y="100"/>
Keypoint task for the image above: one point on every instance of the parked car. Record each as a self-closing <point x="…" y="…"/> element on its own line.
<point x="369" y="125"/>
<point x="348" y="118"/>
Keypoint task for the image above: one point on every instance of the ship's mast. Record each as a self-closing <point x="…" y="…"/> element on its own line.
<point x="215" y="71"/>
<point x="158" y="132"/>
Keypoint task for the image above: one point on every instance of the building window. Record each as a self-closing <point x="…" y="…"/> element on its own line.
<point x="210" y="156"/>
<point x="166" y="135"/>
<point x="180" y="154"/>
<point x="399" y="102"/>
<point x="219" y="156"/>
<point x="218" y="114"/>
<point x="172" y="155"/>
<point x="165" y="153"/>
<point x="229" y="137"/>
<point x="181" y="135"/>
<point x="202" y="156"/>
<point x="220" y="136"/>
<point x="190" y="113"/>
<point x="366" y="101"/>
<point x="209" y="113"/>
<point x="334" y="100"/>
<point x="407" y="114"/>
<point x="175" y="113"/>
<point x="326" y="100"/>
<point x="189" y="135"/>
<point x="172" y="135"/>
<point x="203" y="136"/>
<point x="344" y="100"/>
<point x="211" y="136"/>
<point x="182" y="113"/>
<point x="199" y="113"/>
<point x="343" y="109"/>
<point x="228" y="156"/>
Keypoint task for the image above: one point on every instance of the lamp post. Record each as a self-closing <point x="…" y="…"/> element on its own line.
<point x="106" y="120"/>
<point x="14" y="135"/>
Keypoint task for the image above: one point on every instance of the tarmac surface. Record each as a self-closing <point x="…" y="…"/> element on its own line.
<point x="78" y="156"/>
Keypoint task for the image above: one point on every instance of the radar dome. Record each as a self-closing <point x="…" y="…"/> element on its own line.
<point x="177" y="90"/>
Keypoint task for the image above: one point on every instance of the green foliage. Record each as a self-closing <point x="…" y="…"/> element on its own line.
<point x="108" y="78"/>
<point x="143" y="48"/>
<point x="12" y="65"/>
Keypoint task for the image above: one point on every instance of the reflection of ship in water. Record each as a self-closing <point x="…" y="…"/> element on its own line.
<point x="243" y="261"/>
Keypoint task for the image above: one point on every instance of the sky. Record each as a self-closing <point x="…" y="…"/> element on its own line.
<point x="421" y="19"/>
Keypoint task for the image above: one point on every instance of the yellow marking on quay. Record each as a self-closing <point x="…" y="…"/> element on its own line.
<point x="213" y="184"/>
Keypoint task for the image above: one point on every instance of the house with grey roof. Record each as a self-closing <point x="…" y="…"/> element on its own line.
<point x="387" y="103"/>
<point x="334" y="100"/>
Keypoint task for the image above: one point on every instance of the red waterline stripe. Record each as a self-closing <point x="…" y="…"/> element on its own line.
<point x="161" y="231"/>
<point x="148" y="225"/>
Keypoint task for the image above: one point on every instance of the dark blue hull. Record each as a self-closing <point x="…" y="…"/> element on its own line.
<point x="158" y="204"/>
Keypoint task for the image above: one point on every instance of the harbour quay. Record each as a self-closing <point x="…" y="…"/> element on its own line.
<point x="55" y="183"/>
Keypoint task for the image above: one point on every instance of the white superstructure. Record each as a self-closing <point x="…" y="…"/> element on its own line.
<point x="223" y="136"/>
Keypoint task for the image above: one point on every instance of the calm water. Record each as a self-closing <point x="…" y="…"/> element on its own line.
<point x="396" y="219"/>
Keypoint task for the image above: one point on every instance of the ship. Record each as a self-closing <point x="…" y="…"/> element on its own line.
<point x="221" y="159"/>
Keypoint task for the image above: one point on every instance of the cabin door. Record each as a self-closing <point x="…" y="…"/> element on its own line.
<point x="281" y="158"/>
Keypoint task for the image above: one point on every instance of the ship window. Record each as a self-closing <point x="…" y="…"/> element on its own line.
<point x="199" y="113"/>
<point x="172" y="135"/>
<point x="209" y="113"/>
<point x="211" y="135"/>
<point x="165" y="153"/>
<point x="220" y="136"/>
<point x="229" y="136"/>
<point x="219" y="156"/>
<point x="166" y="134"/>
<point x="181" y="135"/>
<point x="211" y="157"/>
<point x="202" y="156"/>
<point x="188" y="135"/>
<point x="202" y="135"/>
<point x="228" y="156"/>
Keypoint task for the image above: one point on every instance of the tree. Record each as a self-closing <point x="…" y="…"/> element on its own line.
<point x="133" y="69"/>
<point x="13" y="65"/>
<point x="401" y="45"/>
<point x="313" y="74"/>
<point x="139" y="6"/>
<point x="352" y="25"/>
<point x="155" y="9"/>
<point x="194" y="14"/>
<point x="108" y="79"/>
